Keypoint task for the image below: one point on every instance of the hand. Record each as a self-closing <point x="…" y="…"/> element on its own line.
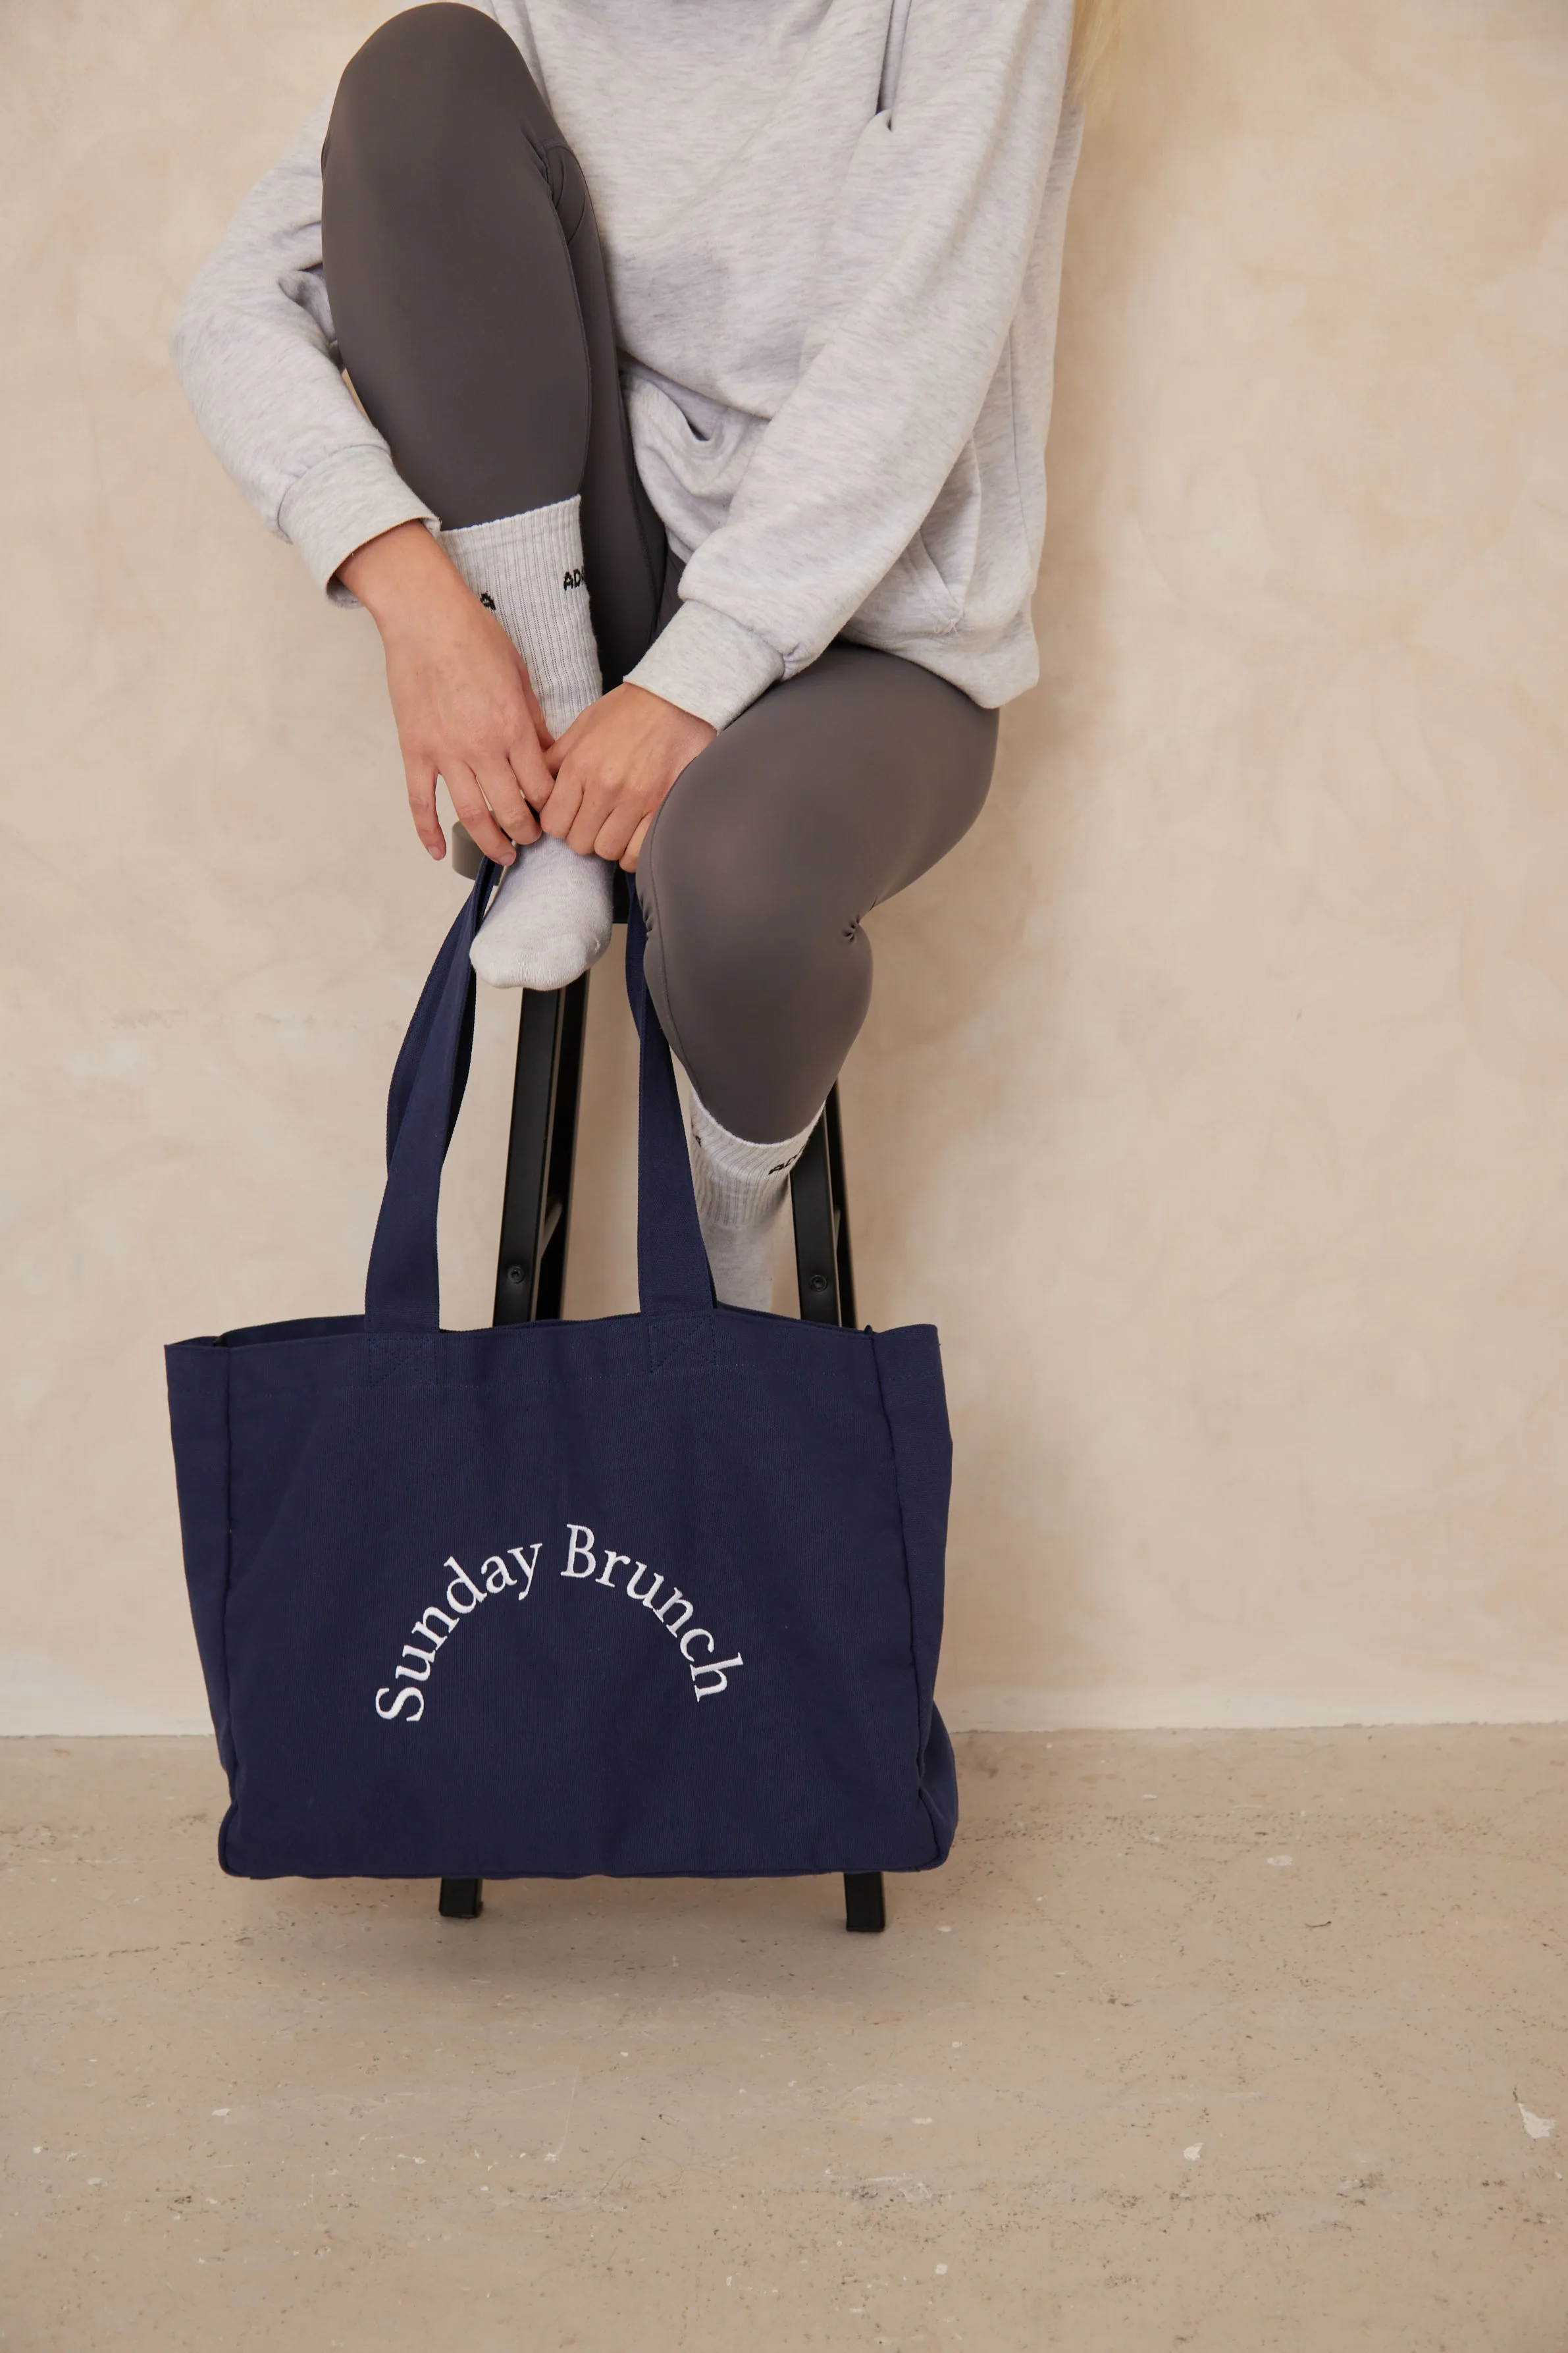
<point x="613" y="768"/>
<point x="461" y="694"/>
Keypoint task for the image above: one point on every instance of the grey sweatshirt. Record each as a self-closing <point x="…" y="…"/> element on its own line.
<point x="833" y="231"/>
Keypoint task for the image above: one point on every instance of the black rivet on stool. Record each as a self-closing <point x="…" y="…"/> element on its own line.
<point x="819" y="1283"/>
<point x="516" y="1274"/>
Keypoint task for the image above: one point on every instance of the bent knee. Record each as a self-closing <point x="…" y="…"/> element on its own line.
<point x="442" y="38"/>
<point x="761" y="986"/>
<point x="729" y="921"/>
<point x="418" y="76"/>
<point x="760" y="1011"/>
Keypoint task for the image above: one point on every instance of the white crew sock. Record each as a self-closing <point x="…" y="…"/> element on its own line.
<point x="740" y="1188"/>
<point x="552" y="917"/>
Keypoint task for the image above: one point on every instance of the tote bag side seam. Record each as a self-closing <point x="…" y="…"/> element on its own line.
<point x="894" y="1453"/>
<point x="227" y="1753"/>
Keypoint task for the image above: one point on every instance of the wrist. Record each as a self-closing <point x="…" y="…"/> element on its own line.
<point x="653" y="706"/>
<point x="396" y="574"/>
<point x="671" y="718"/>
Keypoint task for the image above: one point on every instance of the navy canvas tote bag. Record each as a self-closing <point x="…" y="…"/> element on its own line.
<point x="660" y="1593"/>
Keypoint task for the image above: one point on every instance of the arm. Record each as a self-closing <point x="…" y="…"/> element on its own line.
<point x="255" y="353"/>
<point x="460" y="693"/>
<point x="941" y="215"/>
<point x="940" y="212"/>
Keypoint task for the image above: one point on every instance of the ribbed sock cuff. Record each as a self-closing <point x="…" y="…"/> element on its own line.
<point x="739" y="1183"/>
<point x="528" y="568"/>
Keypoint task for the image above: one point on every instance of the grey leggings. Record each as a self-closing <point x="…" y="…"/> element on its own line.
<point x="469" y="294"/>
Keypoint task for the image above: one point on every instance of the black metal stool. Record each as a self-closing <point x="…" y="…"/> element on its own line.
<point x="536" y="1218"/>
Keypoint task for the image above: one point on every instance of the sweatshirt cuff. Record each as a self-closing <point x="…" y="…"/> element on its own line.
<point x="708" y="664"/>
<point x="350" y="497"/>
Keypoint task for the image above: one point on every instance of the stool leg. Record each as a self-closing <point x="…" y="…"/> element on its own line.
<point x="550" y="1288"/>
<point x="536" y="1206"/>
<point x="825" y="1270"/>
<point x="825" y="1273"/>
<point x="844" y="1265"/>
<point x="462" y="1899"/>
<point x="865" y="1906"/>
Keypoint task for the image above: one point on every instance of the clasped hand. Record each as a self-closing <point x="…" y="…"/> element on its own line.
<point x="466" y="711"/>
<point x="612" y="767"/>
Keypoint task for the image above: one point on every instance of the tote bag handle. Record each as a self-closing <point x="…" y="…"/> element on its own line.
<point x="403" y="1287"/>
<point x="672" y="1264"/>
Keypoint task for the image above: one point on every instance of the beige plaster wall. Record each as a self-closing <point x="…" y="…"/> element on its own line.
<point x="1215" y="1097"/>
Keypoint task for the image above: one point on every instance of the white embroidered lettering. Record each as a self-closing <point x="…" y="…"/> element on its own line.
<point x="403" y="1700"/>
<point x="579" y="1551"/>
<point x="673" y="1600"/>
<point x="713" y="1667"/>
<point x="463" y="1609"/>
<point x="496" y="1573"/>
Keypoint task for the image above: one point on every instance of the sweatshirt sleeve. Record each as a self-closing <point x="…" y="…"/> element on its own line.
<point x="942" y="210"/>
<point x="255" y="353"/>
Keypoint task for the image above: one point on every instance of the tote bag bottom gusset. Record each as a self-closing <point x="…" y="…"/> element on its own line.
<point x="453" y="1851"/>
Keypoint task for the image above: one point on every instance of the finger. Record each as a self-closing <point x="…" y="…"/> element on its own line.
<point x="421" y="780"/>
<point x="617" y="831"/>
<point x="530" y="766"/>
<point x="589" y="798"/>
<point x="558" y="826"/>
<point x="568" y="739"/>
<point x="500" y="787"/>
<point x="633" y="850"/>
<point x="525" y="828"/>
<point x="600" y="806"/>
<point x="470" y="804"/>
<point x="625" y="821"/>
<point x="560" y="810"/>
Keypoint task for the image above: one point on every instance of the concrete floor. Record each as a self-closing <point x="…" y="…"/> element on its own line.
<point x="1216" y="2040"/>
